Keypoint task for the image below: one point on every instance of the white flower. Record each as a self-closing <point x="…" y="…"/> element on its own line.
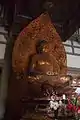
<point x="54" y="105"/>
<point x="60" y="103"/>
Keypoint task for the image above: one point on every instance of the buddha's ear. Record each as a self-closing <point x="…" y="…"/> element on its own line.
<point x="38" y="49"/>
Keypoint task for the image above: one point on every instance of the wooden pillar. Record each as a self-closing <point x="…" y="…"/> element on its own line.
<point x="6" y="72"/>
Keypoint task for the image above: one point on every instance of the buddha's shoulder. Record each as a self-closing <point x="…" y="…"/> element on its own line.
<point x="52" y="56"/>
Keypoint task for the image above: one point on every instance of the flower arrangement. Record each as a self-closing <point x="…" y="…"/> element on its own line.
<point x="72" y="108"/>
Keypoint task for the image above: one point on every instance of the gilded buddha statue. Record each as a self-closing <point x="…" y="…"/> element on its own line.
<point x="43" y="68"/>
<point x="43" y="63"/>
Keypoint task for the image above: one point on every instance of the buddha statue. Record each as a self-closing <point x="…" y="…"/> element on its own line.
<point x="43" y="63"/>
<point x="44" y="68"/>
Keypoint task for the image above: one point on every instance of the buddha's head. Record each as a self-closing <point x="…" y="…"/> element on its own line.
<point x="42" y="46"/>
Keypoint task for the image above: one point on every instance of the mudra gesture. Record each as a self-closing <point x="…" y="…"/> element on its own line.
<point x="43" y="63"/>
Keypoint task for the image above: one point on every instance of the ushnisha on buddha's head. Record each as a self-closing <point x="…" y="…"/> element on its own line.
<point x="42" y="46"/>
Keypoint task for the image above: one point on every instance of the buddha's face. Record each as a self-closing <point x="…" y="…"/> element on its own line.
<point x="45" y="48"/>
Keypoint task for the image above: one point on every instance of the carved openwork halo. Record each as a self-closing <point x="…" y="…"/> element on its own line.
<point x="40" y="28"/>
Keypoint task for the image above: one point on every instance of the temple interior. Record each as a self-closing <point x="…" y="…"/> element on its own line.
<point x="39" y="60"/>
